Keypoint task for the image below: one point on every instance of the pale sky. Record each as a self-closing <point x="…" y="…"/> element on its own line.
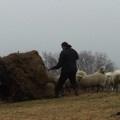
<point x="92" y="25"/>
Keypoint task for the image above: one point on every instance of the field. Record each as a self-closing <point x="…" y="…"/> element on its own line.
<point x="88" y="106"/>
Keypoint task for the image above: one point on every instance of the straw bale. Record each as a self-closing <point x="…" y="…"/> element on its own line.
<point x="27" y="76"/>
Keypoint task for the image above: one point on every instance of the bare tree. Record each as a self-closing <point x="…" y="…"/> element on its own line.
<point x="50" y="60"/>
<point x="91" y="62"/>
<point x="101" y="59"/>
<point x="86" y="61"/>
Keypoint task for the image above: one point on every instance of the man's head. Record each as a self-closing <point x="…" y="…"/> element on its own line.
<point x="65" y="45"/>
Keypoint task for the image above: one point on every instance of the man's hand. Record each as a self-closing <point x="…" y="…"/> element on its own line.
<point x="49" y="69"/>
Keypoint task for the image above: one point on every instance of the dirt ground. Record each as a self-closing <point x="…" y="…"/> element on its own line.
<point x="87" y="106"/>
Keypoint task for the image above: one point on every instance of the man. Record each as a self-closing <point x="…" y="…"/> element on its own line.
<point x="67" y="63"/>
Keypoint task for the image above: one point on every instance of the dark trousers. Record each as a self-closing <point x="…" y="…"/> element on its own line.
<point x="63" y="77"/>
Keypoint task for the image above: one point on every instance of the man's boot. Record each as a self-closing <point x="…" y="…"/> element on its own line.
<point x="76" y="91"/>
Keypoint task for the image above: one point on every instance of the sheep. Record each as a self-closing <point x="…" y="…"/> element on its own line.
<point x="109" y="81"/>
<point x="113" y="80"/>
<point x="116" y="78"/>
<point x="96" y="79"/>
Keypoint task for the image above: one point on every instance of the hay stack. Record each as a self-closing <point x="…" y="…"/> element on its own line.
<point x="3" y="80"/>
<point x="27" y="76"/>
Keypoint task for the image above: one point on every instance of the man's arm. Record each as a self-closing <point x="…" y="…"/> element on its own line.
<point x="60" y="62"/>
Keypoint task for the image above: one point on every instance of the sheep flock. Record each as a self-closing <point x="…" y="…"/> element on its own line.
<point x="96" y="82"/>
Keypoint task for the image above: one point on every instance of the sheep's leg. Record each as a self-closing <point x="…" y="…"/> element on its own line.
<point x="116" y="88"/>
<point x="98" y="88"/>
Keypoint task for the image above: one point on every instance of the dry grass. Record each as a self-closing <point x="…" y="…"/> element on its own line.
<point x="102" y="106"/>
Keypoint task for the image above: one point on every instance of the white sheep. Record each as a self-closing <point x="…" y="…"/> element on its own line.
<point x="109" y="81"/>
<point x="113" y="80"/>
<point x="116" y="78"/>
<point x="95" y="80"/>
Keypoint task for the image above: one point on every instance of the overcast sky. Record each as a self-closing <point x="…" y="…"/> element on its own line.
<point x="92" y="25"/>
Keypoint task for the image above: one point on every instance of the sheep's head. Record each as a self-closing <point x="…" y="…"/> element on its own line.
<point x="80" y="74"/>
<point x="108" y="77"/>
<point x="102" y="70"/>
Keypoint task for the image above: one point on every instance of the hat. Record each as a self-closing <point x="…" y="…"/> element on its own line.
<point x="65" y="44"/>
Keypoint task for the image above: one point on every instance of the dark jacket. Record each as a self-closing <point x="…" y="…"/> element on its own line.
<point x="67" y="60"/>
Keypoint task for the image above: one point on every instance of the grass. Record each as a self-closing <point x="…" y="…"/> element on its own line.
<point x="88" y="106"/>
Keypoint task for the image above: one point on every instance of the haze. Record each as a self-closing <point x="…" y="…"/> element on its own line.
<point x="92" y="25"/>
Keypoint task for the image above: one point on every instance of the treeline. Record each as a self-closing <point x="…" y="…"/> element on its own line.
<point x="88" y="61"/>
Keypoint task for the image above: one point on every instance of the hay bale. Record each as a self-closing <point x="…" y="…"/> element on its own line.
<point x="27" y="76"/>
<point x="3" y="80"/>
